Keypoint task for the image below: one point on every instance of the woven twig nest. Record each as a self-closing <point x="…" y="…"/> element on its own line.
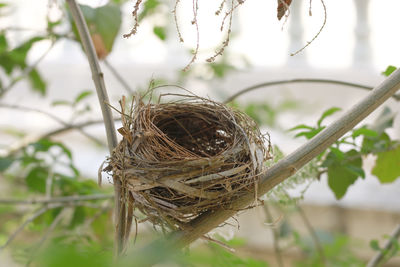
<point x="180" y="159"/>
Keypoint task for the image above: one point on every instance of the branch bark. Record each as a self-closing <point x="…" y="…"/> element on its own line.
<point x="97" y="76"/>
<point x="328" y="81"/>
<point x="379" y="257"/>
<point x="293" y="162"/>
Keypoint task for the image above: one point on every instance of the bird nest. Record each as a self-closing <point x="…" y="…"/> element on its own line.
<point x="182" y="158"/>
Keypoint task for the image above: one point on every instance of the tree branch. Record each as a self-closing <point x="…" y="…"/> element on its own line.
<point x="65" y="199"/>
<point x="379" y="257"/>
<point x="329" y="81"/>
<point x="53" y="117"/>
<point x="293" y="162"/>
<point x="97" y="76"/>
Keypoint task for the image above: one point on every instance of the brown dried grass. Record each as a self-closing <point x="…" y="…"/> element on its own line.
<point x="182" y="158"/>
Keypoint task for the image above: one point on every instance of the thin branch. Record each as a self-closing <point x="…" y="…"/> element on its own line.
<point x="66" y="199"/>
<point x="380" y="256"/>
<point x="29" y="220"/>
<point x="119" y="78"/>
<point x="97" y="76"/>
<point x="312" y="232"/>
<point x="329" y="81"/>
<point x="27" y="70"/>
<point x="46" y="235"/>
<point x="289" y="165"/>
<point x="53" y="117"/>
<point x="275" y="235"/>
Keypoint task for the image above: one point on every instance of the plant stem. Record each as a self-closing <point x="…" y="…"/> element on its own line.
<point x="275" y="236"/>
<point x="53" y="117"/>
<point x="55" y="199"/>
<point x="118" y="76"/>
<point x="97" y="76"/>
<point x="329" y="81"/>
<point x="289" y="165"/>
<point x="380" y="256"/>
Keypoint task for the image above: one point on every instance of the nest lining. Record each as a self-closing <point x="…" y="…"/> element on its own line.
<point x="180" y="159"/>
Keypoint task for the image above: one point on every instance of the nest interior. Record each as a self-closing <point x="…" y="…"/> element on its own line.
<point x="180" y="159"/>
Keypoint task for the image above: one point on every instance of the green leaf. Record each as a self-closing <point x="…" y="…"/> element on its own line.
<point x="220" y="69"/>
<point x="37" y="82"/>
<point x="5" y="163"/>
<point x="387" y="165"/>
<point x="301" y="126"/>
<point x="3" y="43"/>
<point x="43" y="145"/>
<point x="104" y="23"/>
<point x="82" y="96"/>
<point x="149" y="8"/>
<point x="160" y="32"/>
<point x="310" y="134"/>
<point x="375" y="144"/>
<point x="364" y="131"/>
<point x="61" y="103"/>
<point x="343" y="173"/>
<point x="78" y="217"/>
<point x="36" y="179"/>
<point x="374" y="245"/>
<point x="389" y="70"/>
<point x="326" y="114"/>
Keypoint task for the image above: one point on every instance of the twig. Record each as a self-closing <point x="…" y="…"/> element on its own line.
<point x="275" y="235"/>
<point x="46" y="235"/>
<point x="380" y="256"/>
<point x="53" y="117"/>
<point x="318" y="33"/>
<point x="29" y="220"/>
<point x="119" y="78"/>
<point x="97" y="76"/>
<point x="329" y="81"/>
<point x="27" y="70"/>
<point x="293" y="162"/>
<point x="312" y="232"/>
<point x="67" y="199"/>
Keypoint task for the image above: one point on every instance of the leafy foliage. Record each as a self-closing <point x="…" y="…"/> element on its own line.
<point x="344" y="167"/>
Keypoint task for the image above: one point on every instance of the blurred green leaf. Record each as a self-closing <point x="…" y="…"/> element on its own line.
<point x="387" y="166"/>
<point x="342" y="173"/>
<point x="36" y="179"/>
<point x="301" y="126"/>
<point x="37" y="82"/>
<point x="375" y="144"/>
<point x="78" y="217"/>
<point x="43" y="145"/>
<point x="374" y="245"/>
<point x="104" y="23"/>
<point x="149" y="8"/>
<point x="364" y="131"/>
<point x="3" y="43"/>
<point x="5" y="162"/>
<point x="220" y="69"/>
<point x="61" y="103"/>
<point x="82" y="96"/>
<point x="389" y="70"/>
<point x="326" y="114"/>
<point x="160" y="32"/>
